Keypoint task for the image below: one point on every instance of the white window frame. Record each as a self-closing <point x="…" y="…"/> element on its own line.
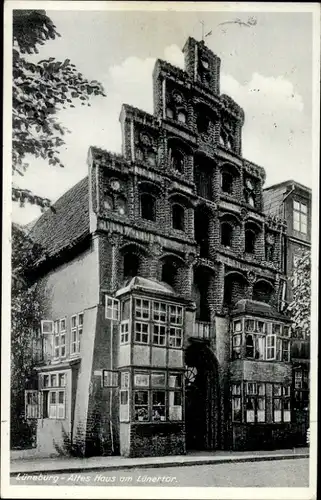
<point x="175" y="337"/>
<point x="272" y="354"/>
<point x="142" y="312"/>
<point x="56" y="410"/>
<point x="60" y="338"/>
<point x="157" y="311"/>
<point x="299" y="214"/>
<point x="76" y="331"/>
<point x="124" y="331"/>
<point x="32" y="410"/>
<point x="59" y="387"/>
<point x="139" y="332"/>
<point x="159" y="335"/>
<point x="175" y="312"/>
<point x="111" y="308"/>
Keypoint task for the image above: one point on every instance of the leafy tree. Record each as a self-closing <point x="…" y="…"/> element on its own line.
<point x="25" y="318"/>
<point x="300" y="307"/>
<point x="40" y="90"/>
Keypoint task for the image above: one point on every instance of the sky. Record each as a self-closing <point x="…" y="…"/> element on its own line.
<point x="266" y="68"/>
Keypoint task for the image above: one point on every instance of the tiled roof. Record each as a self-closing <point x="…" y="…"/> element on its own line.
<point x="67" y="222"/>
<point x="255" y="308"/>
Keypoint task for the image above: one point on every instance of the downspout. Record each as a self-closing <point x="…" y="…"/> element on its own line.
<point x="284" y="238"/>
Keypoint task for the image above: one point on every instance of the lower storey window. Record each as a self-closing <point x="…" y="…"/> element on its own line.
<point x="281" y="403"/>
<point x="53" y="404"/>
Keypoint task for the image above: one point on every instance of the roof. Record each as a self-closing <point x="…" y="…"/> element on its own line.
<point x="255" y="308"/>
<point x="144" y="284"/>
<point x="289" y="182"/>
<point x="67" y="222"/>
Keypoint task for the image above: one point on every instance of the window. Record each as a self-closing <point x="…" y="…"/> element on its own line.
<point x="237" y="326"/>
<point x="176" y="315"/>
<point x="159" y="312"/>
<point x="53" y="395"/>
<point x="236" y="403"/>
<point x="255" y="402"/>
<point x="249" y="325"/>
<point x="249" y="346"/>
<point x="108" y="202"/>
<point x="142" y="309"/>
<point x="141" y="332"/>
<point x="202" y="123"/>
<point x="226" y="234"/>
<point x="176" y="160"/>
<point x="170" y="113"/>
<point x="60" y="338"/>
<point x="159" y="335"/>
<point x="124" y="396"/>
<point x="178" y="215"/>
<point x="157" y="396"/>
<point x="124" y="332"/>
<point x="111" y="308"/>
<point x="32" y="406"/>
<point x="249" y="241"/>
<point x="285" y="350"/>
<point x="281" y="403"/>
<point x="227" y="182"/>
<point x="77" y="322"/>
<point x="148" y="207"/>
<point x="270" y="347"/>
<point x="276" y="328"/>
<point x="175" y="337"/>
<point x="300" y="217"/>
<point x="110" y="378"/>
<point x="236" y="347"/>
<point x="260" y="326"/>
<point x="249" y="191"/>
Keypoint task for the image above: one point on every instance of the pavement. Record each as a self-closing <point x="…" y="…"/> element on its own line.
<point x="34" y="465"/>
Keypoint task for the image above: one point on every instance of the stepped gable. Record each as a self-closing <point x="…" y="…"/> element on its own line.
<point x="68" y="221"/>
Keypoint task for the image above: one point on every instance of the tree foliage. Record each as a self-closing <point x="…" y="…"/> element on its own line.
<point x="25" y="320"/>
<point x="40" y="90"/>
<point x="300" y="307"/>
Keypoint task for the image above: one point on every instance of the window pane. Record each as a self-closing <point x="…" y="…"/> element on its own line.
<point x="158" y="408"/>
<point x="52" y="398"/>
<point x="296" y="205"/>
<point x="125" y="380"/>
<point x="237" y="326"/>
<point x="158" y="379"/>
<point x="62" y="380"/>
<point x="141" y="379"/>
<point x="141" y="405"/>
<point x="303" y="208"/>
<point x="277" y="390"/>
<point x="123" y="397"/>
<point x="53" y="381"/>
<point x="175" y="380"/>
<point x="61" y="397"/>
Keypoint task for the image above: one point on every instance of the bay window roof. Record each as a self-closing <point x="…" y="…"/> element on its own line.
<point x="255" y="308"/>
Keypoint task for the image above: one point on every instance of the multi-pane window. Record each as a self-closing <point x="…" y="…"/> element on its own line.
<point x="301" y="389"/>
<point x="157" y="396"/>
<point x="32" y="406"/>
<point x="175" y="338"/>
<point x="111" y="308"/>
<point x="159" y="312"/>
<point x="281" y="403"/>
<point x="176" y="315"/>
<point x="270" y="347"/>
<point x="77" y="322"/>
<point x="141" y="332"/>
<point x="236" y="346"/>
<point x="159" y="335"/>
<point x="142" y="309"/>
<point x="300" y="217"/>
<point x="254" y="402"/>
<point x="124" y="396"/>
<point x="53" y="395"/>
<point x="124" y="332"/>
<point x="60" y="338"/>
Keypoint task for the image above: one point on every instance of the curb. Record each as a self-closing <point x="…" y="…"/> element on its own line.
<point x="152" y="465"/>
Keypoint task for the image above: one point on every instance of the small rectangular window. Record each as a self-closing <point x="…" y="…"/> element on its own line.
<point x="158" y="406"/>
<point x="141" y="405"/>
<point x="159" y="312"/>
<point x="110" y="378"/>
<point x="141" y="332"/>
<point x="237" y="326"/>
<point x="124" y="332"/>
<point x="260" y="326"/>
<point x="176" y="315"/>
<point x="124" y="382"/>
<point x="175" y="338"/>
<point x="159" y="335"/>
<point x="141" y="379"/>
<point x="158" y="379"/>
<point x="111" y="308"/>
<point x="249" y="325"/>
<point x="142" y="309"/>
<point x="270" y="347"/>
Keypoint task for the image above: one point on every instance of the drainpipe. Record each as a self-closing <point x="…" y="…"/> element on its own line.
<point x="284" y="239"/>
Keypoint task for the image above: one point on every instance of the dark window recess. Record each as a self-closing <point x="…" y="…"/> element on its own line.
<point x="178" y="214"/>
<point x="202" y="123"/>
<point x="45" y="395"/>
<point x="148" y="207"/>
<point x="169" y="274"/>
<point x="131" y="265"/>
<point x="227" y="183"/>
<point x="249" y="346"/>
<point x="201" y="230"/>
<point x="249" y="241"/>
<point x="269" y="252"/>
<point x="177" y="161"/>
<point x="203" y="181"/>
<point x="226" y="234"/>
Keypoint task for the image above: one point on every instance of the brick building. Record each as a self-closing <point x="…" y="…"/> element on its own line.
<point x="161" y="286"/>
<point x="292" y="201"/>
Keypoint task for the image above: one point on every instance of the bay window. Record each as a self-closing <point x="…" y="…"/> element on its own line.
<point x="255" y="402"/>
<point x="141" y="332"/>
<point x="157" y="396"/>
<point x="281" y="403"/>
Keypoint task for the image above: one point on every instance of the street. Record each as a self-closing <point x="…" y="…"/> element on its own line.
<point x="275" y="473"/>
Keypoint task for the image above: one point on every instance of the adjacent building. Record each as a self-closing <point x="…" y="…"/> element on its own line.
<point x="292" y="201"/>
<point x="161" y="286"/>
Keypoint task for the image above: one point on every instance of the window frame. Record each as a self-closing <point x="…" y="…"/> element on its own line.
<point x="76" y="330"/>
<point x="152" y="198"/>
<point x="299" y="213"/>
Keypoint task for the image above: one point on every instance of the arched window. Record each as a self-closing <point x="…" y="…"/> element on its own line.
<point x="131" y="265"/>
<point x="170" y="113"/>
<point x="148" y="206"/>
<point x="226" y="234"/>
<point x="178" y="215"/>
<point x="169" y="273"/>
<point x="249" y="346"/>
<point x="201" y="230"/>
<point x="249" y="241"/>
<point x="202" y="123"/>
<point x="227" y="182"/>
<point x="177" y="160"/>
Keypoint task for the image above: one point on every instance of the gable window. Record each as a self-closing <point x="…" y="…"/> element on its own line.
<point x="77" y="322"/>
<point x="227" y="182"/>
<point x="178" y="215"/>
<point x="148" y="207"/>
<point x="300" y="217"/>
<point x="226" y="234"/>
<point x="249" y="241"/>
